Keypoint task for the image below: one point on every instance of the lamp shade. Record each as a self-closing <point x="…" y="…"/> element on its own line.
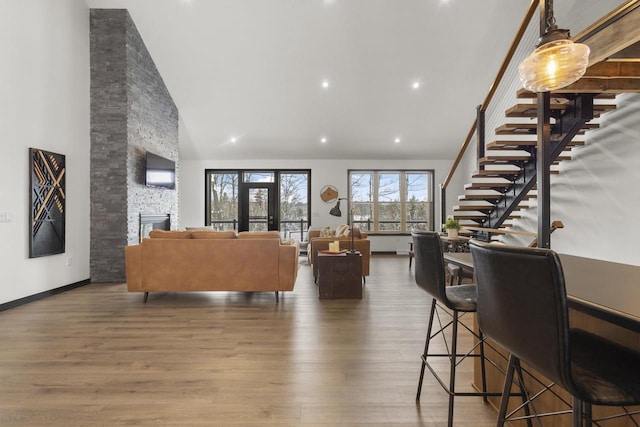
<point x="554" y="65"/>
<point x="335" y="211"/>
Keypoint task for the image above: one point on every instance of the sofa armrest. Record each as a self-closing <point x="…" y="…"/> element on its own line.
<point x="133" y="266"/>
<point x="288" y="265"/>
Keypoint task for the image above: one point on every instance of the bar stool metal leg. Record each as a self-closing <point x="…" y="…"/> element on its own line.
<point x="483" y="369"/>
<point x="426" y="348"/>
<point x="504" y="400"/>
<point x="452" y="374"/>
<point x="577" y="412"/>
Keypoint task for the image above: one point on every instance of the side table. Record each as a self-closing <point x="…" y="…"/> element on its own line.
<point x="340" y="276"/>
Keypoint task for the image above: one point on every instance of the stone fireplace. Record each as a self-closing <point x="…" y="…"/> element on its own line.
<point x="150" y="222"/>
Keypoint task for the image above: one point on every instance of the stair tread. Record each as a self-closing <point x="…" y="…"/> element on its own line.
<point x="480" y="217"/>
<point x="472" y="207"/>
<point x="492" y="184"/>
<point x="531" y="128"/>
<point x="490" y="173"/>
<point x="515" y="144"/>
<point x="531" y="109"/>
<point x="492" y="158"/>
<point x="469" y="216"/>
<point x="525" y="94"/>
<point x="479" y="197"/>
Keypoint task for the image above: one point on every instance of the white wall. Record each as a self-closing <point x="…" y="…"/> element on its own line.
<point x="323" y="172"/>
<point x="44" y="93"/>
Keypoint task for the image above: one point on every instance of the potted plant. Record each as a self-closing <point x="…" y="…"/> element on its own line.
<point x="452" y="226"/>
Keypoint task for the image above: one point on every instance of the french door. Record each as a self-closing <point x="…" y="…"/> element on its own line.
<point x="258" y="208"/>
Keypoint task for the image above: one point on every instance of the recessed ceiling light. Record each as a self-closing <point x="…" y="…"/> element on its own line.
<point x="397" y="140"/>
<point x="325" y="84"/>
<point x="416" y="85"/>
<point x="233" y="140"/>
<point x="323" y="139"/>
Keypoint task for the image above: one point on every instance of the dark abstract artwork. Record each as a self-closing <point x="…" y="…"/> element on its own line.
<point x="47" y="202"/>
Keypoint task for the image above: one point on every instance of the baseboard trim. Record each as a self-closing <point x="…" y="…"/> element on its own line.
<point x="41" y="295"/>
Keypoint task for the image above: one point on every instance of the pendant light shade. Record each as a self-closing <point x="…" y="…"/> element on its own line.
<point x="557" y="61"/>
<point x="554" y="65"/>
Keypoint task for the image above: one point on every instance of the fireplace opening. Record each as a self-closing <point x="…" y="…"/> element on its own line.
<point x="153" y="222"/>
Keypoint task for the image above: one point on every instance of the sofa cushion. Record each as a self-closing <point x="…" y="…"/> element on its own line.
<point x="169" y="234"/>
<point x="214" y="234"/>
<point x="259" y="235"/>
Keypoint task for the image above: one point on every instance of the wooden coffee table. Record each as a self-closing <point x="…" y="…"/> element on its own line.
<point x="340" y="276"/>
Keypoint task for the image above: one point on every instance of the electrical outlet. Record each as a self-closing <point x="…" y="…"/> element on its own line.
<point x="6" y="217"/>
<point x="69" y="261"/>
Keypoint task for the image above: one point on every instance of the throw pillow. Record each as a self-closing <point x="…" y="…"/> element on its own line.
<point x="327" y="232"/>
<point x="341" y="229"/>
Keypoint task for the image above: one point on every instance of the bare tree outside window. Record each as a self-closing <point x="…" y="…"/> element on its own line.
<point x="294" y="204"/>
<point x="224" y="200"/>
<point x="362" y="199"/>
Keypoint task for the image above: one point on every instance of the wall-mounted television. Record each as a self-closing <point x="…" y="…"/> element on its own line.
<point x="160" y="172"/>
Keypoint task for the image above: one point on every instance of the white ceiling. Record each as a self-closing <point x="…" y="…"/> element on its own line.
<point x="252" y="69"/>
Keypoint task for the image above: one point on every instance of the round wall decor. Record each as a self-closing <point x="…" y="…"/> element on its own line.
<point x="329" y="193"/>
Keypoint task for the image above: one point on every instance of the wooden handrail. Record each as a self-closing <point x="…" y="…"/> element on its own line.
<point x="492" y="90"/>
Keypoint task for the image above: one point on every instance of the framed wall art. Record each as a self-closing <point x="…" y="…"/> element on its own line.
<point x="47" y="201"/>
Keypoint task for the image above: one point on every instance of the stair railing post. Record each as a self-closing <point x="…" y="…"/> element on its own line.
<point x="543" y="174"/>
<point x="443" y="207"/>
<point x="480" y="136"/>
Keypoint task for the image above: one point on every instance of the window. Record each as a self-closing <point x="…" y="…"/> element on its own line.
<point x="392" y="201"/>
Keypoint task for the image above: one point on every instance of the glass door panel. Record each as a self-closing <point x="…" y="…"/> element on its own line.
<point x="258" y="207"/>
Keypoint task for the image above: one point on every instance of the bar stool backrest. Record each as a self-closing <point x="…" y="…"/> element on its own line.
<point x="522" y="305"/>
<point x="429" y="274"/>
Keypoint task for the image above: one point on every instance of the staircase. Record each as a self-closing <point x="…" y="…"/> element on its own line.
<point x="506" y="175"/>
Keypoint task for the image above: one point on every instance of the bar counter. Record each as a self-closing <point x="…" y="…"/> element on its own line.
<point x="604" y="298"/>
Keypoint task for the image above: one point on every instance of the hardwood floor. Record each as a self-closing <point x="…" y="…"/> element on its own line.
<point x="98" y="356"/>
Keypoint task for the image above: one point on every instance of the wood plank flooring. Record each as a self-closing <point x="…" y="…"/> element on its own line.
<point x="98" y="356"/>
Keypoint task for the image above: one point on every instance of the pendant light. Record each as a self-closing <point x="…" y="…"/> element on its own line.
<point x="557" y="61"/>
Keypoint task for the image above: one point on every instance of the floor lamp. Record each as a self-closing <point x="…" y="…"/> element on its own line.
<point x="335" y="211"/>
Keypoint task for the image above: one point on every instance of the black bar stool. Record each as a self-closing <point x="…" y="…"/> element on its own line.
<point x="430" y="276"/>
<point x="522" y="305"/>
<point x="457" y="274"/>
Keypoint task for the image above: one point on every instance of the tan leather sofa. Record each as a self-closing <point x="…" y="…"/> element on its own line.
<point x="174" y="261"/>
<point x="360" y="243"/>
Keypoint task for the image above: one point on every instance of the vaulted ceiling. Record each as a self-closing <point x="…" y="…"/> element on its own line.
<point x="247" y="75"/>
